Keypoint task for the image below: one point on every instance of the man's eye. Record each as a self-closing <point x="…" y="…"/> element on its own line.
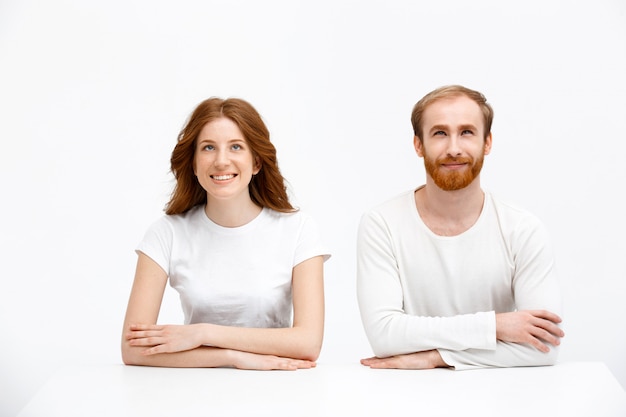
<point x="467" y="132"/>
<point x="439" y="133"/>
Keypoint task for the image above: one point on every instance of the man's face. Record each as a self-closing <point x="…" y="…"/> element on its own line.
<point x="453" y="144"/>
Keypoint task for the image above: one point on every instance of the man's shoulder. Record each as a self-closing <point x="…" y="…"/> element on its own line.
<point x="391" y="212"/>
<point x="505" y="204"/>
<point x="394" y="205"/>
<point x="511" y="212"/>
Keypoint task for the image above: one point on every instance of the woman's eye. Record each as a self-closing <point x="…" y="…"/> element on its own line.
<point x="209" y="148"/>
<point x="236" y="147"/>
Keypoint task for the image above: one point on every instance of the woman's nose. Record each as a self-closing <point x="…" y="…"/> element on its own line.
<point x="221" y="158"/>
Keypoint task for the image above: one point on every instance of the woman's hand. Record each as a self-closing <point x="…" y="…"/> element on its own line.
<point x="164" y="338"/>
<point x="254" y="361"/>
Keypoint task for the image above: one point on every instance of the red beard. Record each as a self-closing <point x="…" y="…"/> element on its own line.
<point x="453" y="180"/>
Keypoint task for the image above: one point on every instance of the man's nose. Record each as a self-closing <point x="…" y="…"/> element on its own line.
<point x="454" y="145"/>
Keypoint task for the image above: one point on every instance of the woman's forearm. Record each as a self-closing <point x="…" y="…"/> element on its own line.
<point x="292" y="342"/>
<point x="145" y="340"/>
<point x="201" y="357"/>
<point x="211" y="357"/>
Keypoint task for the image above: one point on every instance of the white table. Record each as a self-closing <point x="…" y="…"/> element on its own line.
<point x="568" y="389"/>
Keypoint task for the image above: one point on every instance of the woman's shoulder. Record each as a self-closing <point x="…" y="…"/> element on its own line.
<point x="293" y="219"/>
<point x="177" y="221"/>
<point x="295" y="216"/>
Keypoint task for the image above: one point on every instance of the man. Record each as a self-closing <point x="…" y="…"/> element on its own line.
<point x="447" y="274"/>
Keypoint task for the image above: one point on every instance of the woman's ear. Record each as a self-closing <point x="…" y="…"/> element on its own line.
<point x="257" y="165"/>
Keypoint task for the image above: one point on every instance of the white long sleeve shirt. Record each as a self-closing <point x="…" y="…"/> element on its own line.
<point x="420" y="291"/>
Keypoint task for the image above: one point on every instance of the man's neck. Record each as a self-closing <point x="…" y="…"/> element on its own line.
<point x="449" y="213"/>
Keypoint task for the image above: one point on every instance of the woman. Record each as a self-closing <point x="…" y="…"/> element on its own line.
<point x="243" y="260"/>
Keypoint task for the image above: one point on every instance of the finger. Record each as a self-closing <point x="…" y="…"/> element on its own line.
<point x="547" y="337"/>
<point x="147" y="341"/>
<point x="367" y="361"/>
<point x="547" y="326"/>
<point x="539" y="345"/>
<point x="538" y="338"/>
<point x="547" y="315"/>
<point x="304" y="365"/>
<point x="287" y="365"/>
<point x="140" y="327"/>
<point x="134" y="335"/>
<point x="152" y="351"/>
<point x="161" y="347"/>
<point x="377" y="365"/>
<point x="552" y="328"/>
<point x="383" y="364"/>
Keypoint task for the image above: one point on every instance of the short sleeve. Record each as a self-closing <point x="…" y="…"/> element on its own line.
<point x="157" y="243"/>
<point x="309" y="242"/>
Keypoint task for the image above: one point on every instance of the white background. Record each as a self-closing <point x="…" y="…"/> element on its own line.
<point x="93" y="94"/>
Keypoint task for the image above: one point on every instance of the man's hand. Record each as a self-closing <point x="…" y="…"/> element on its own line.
<point x="534" y="327"/>
<point x="427" y="359"/>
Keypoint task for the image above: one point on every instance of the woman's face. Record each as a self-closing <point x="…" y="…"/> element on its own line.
<point x="223" y="161"/>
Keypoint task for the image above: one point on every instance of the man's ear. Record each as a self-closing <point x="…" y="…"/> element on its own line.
<point x="419" y="146"/>
<point x="488" y="141"/>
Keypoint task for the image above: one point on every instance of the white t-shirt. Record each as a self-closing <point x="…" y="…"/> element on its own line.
<point x="238" y="276"/>
<point x="419" y="291"/>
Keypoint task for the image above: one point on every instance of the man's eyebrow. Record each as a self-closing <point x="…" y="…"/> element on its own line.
<point x="468" y="126"/>
<point x="439" y="127"/>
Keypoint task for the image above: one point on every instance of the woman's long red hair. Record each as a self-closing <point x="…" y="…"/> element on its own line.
<point x="267" y="188"/>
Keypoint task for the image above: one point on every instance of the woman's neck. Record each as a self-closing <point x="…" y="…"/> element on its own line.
<point x="231" y="213"/>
